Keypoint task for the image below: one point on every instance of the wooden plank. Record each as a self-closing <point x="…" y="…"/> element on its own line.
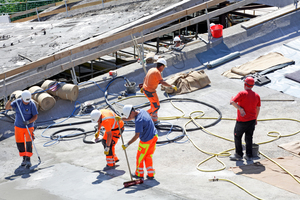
<point x="98" y="42"/>
<point x="55" y="70"/>
<point x="274" y="14"/>
<point x="90" y="4"/>
<point x="43" y="15"/>
<point x="157" y="34"/>
<point x="31" y="10"/>
<point x="140" y="28"/>
<point x="68" y="1"/>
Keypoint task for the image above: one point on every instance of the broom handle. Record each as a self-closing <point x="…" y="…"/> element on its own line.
<point x="125" y="150"/>
<point x="29" y="132"/>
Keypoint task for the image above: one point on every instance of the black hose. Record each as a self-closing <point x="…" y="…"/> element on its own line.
<point x="161" y="127"/>
<point x="83" y="132"/>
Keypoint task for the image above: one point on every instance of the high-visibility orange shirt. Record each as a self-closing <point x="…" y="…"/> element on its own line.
<point x="152" y="79"/>
<point x="108" y="120"/>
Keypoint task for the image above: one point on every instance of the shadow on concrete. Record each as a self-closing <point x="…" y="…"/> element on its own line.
<point x="108" y="175"/>
<point x="24" y="172"/>
<point x="254" y="168"/>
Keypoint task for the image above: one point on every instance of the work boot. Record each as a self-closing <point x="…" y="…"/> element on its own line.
<point x="107" y="167"/>
<point x="248" y="158"/>
<point x="28" y="163"/>
<point x="150" y="177"/>
<point x="24" y="161"/>
<point x="136" y="176"/>
<point x="236" y="157"/>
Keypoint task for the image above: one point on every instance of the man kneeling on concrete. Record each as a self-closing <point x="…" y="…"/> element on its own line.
<point x="146" y="131"/>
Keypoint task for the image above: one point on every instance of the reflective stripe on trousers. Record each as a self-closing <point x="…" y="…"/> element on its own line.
<point x="111" y="158"/>
<point x="154" y="104"/>
<point x="144" y="154"/>
<point x="23" y="141"/>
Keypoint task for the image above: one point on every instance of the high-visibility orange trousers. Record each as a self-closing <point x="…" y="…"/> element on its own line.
<point x="23" y="141"/>
<point x="112" y="158"/>
<point x="144" y="154"/>
<point x="154" y="104"/>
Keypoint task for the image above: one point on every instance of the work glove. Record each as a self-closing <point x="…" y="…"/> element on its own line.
<point x="106" y="150"/>
<point x="12" y="97"/>
<point x="118" y="118"/>
<point x="125" y="146"/>
<point x="142" y="90"/>
<point x="97" y="134"/>
<point x="174" y="88"/>
<point x="26" y="123"/>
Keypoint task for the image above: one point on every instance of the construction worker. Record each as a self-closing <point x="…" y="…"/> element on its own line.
<point x="30" y="114"/>
<point x="146" y="131"/>
<point x="106" y="118"/>
<point x="151" y="81"/>
<point x="178" y="46"/>
<point x="247" y="103"/>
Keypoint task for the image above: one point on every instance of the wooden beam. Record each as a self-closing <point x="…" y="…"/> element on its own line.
<point x="33" y="79"/>
<point x="43" y="14"/>
<point x="31" y="10"/>
<point x="274" y="14"/>
<point x="97" y="42"/>
<point x="90" y="4"/>
<point x="68" y="1"/>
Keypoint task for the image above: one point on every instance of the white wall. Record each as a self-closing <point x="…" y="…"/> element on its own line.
<point x="4" y="19"/>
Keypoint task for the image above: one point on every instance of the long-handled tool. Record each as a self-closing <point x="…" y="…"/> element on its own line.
<point x="132" y="182"/>
<point x="29" y="134"/>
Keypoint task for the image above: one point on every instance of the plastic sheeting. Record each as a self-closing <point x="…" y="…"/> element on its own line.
<point x="278" y="81"/>
<point x="217" y="52"/>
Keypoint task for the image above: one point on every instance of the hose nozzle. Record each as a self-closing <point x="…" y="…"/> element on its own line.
<point x="213" y="179"/>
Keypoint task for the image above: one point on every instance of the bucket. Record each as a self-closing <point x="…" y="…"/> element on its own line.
<point x="216" y="30"/>
<point x="255" y="150"/>
<point x="130" y="88"/>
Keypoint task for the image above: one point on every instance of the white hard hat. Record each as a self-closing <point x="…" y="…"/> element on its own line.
<point x="162" y="61"/>
<point x="127" y="110"/>
<point x="177" y="39"/>
<point x="95" y="115"/>
<point x="26" y="96"/>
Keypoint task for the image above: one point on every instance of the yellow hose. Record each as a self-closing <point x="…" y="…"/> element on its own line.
<point x="225" y="153"/>
<point x="222" y="179"/>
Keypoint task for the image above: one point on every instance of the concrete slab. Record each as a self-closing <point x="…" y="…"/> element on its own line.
<point x="72" y="169"/>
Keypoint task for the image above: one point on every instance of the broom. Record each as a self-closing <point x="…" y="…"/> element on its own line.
<point x="132" y="182"/>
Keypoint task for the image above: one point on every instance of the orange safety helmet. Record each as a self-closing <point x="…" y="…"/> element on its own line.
<point x="249" y="81"/>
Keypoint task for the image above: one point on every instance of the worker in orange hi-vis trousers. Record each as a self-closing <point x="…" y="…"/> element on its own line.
<point x="30" y="113"/>
<point x="151" y="81"/>
<point x="107" y="119"/>
<point x="146" y="131"/>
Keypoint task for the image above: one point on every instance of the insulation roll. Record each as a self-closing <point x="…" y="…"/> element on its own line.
<point x="222" y="60"/>
<point x="65" y="91"/>
<point x="46" y="85"/>
<point x="36" y="104"/>
<point x="68" y="92"/>
<point x="18" y="93"/>
<point x="45" y="100"/>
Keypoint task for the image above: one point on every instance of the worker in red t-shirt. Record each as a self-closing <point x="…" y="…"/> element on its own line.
<point x="151" y="81"/>
<point x="247" y="103"/>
